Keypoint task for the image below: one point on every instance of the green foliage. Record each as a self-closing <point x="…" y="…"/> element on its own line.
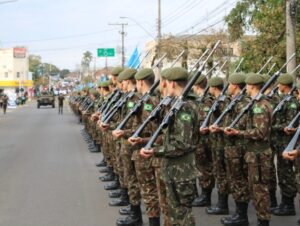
<point x="64" y="72"/>
<point x="266" y="18"/>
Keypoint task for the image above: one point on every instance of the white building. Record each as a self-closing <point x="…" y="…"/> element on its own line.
<point x="14" y="69"/>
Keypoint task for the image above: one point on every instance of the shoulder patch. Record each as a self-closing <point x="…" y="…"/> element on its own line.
<point x="293" y="106"/>
<point x="258" y="110"/>
<point x="185" y="117"/>
<point x="130" y="104"/>
<point x="148" y="107"/>
<point x="206" y="109"/>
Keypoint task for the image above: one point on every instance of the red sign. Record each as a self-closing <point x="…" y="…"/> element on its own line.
<point x="20" y="52"/>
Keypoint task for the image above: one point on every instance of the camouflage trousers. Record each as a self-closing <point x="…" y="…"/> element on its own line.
<point x="219" y="170"/>
<point x="162" y="196"/>
<point x="273" y="177"/>
<point x="237" y="173"/>
<point x="180" y="196"/>
<point x="205" y="166"/>
<point x="111" y="151"/>
<point x="105" y="148"/>
<point x="259" y="174"/>
<point x="297" y="174"/>
<point x="119" y="164"/>
<point x="130" y="175"/>
<point x="285" y="171"/>
<point x="146" y="177"/>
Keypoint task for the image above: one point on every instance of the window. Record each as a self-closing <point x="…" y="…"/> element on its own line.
<point x="18" y="74"/>
<point x="6" y="75"/>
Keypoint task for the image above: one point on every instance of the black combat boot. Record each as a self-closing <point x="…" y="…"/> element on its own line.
<point x="115" y="193"/>
<point x="240" y="218"/>
<point x="273" y="200"/>
<point x="298" y="221"/>
<point x="110" y="176"/>
<point x="221" y="208"/>
<point x="95" y="149"/>
<point x="122" y="201"/>
<point x="125" y="210"/>
<point x="101" y="164"/>
<point x="134" y="219"/>
<point x="204" y="199"/>
<point x="103" y="170"/>
<point x="112" y="185"/>
<point x="262" y="222"/>
<point x="286" y="207"/>
<point x="154" y="221"/>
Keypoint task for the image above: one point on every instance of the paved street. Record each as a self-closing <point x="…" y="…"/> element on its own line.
<point x="48" y="177"/>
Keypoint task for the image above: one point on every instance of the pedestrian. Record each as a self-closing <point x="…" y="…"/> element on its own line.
<point x="61" y="99"/>
<point x="4" y="102"/>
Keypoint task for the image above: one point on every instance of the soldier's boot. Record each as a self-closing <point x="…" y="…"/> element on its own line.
<point x="262" y="222"/>
<point x="113" y="185"/>
<point x="204" y="199"/>
<point x="239" y="218"/>
<point x="110" y="176"/>
<point x="102" y="163"/>
<point x="286" y="207"/>
<point x="134" y="219"/>
<point x="125" y="210"/>
<point x="221" y="208"/>
<point x="154" y="221"/>
<point x="103" y="169"/>
<point x="95" y="149"/>
<point x="122" y="201"/>
<point x="273" y="200"/>
<point x="115" y="193"/>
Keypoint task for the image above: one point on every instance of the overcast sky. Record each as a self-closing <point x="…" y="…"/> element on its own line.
<point x="61" y="30"/>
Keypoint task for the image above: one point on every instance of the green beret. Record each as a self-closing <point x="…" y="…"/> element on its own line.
<point x="266" y="77"/>
<point x="106" y="83"/>
<point x="254" y="79"/>
<point x="164" y="72"/>
<point x="94" y="92"/>
<point x="200" y="79"/>
<point x="177" y="74"/>
<point x="237" y="79"/>
<point x="298" y="85"/>
<point x="127" y="74"/>
<point x="215" y="81"/>
<point x="144" y="74"/>
<point x="116" y="71"/>
<point x="285" y="79"/>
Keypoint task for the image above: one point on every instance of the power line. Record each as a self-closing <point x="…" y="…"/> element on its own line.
<point x="176" y="10"/>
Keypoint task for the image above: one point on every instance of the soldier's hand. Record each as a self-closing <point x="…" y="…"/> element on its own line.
<point x="204" y="130"/>
<point x="289" y="131"/>
<point x="214" y="129"/>
<point x="146" y="153"/>
<point x="103" y="126"/>
<point x="231" y="131"/>
<point x="290" y="155"/>
<point x="135" y="140"/>
<point x="118" y="133"/>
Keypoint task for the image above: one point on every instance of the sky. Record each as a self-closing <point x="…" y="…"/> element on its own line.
<point x="60" y="31"/>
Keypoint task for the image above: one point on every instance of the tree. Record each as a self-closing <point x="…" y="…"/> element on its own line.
<point x="266" y="19"/>
<point x="34" y="64"/>
<point x="64" y="72"/>
<point x="86" y="60"/>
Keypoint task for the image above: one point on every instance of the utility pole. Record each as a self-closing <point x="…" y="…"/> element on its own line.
<point x="291" y="34"/>
<point x="159" y="36"/>
<point x="123" y="33"/>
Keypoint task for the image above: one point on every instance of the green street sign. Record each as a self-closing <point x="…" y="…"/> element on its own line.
<point x="108" y="52"/>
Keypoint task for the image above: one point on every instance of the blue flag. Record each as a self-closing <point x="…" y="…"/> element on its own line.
<point x="134" y="60"/>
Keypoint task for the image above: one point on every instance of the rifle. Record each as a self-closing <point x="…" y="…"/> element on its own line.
<point x="107" y="101"/>
<point x="296" y="68"/>
<point x="273" y="91"/>
<point x="166" y="101"/>
<point x="271" y="68"/>
<point x="179" y="101"/>
<point x="263" y="67"/>
<point x="260" y="93"/>
<point x="144" y="98"/>
<point x="293" y="142"/>
<point x="119" y="104"/>
<point x="111" y="102"/>
<point x="295" y="119"/>
<point x="287" y="98"/>
<point x="138" y="66"/>
<point x="214" y="107"/>
<point x="238" y="66"/>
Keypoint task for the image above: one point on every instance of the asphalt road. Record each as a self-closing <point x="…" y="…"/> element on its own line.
<point x="48" y="177"/>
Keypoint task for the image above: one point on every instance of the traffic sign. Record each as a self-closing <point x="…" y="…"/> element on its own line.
<point x="106" y="52"/>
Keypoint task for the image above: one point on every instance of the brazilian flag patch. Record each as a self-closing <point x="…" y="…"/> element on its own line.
<point x="130" y="105"/>
<point x="293" y="106"/>
<point x="258" y="110"/>
<point x="148" y="107"/>
<point x="185" y="117"/>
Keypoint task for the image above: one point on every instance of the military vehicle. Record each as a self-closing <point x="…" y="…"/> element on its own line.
<point x="46" y="98"/>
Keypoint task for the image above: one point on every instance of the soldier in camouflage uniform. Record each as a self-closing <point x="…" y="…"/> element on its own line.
<point x="216" y="85"/>
<point x="179" y="170"/>
<point x="203" y="152"/>
<point x="143" y="167"/>
<point x="280" y="139"/>
<point x="236" y="169"/>
<point x="258" y="152"/>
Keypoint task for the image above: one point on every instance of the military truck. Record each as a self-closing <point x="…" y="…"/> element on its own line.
<point x="46" y="98"/>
